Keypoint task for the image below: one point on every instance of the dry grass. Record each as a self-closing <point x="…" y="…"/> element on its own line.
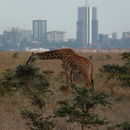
<point x="10" y="107"/>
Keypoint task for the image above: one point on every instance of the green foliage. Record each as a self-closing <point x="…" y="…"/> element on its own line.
<point x="119" y="72"/>
<point x="122" y="126"/>
<point x="36" y="121"/>
<point x="112" y="69"/>
<point x="126" y="55"/>
<point x="26" y="71"/>
<point x="8" y="83"/>
<point x="79" y="108"/>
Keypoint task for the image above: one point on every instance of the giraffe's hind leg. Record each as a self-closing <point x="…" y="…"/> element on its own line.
<point x="87" y="79"/>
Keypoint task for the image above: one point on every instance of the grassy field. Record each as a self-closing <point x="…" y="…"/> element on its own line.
<point x="11" y="106"/>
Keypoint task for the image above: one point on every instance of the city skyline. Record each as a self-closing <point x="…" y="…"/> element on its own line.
<point x="21" y="13"/>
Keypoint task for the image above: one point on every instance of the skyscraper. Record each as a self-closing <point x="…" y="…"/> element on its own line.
<point x="87" y="25"/>
<point x="39" y="30"/>
<point x="94" y="25"/>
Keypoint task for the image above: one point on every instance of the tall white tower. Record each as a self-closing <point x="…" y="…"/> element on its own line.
<point x="85" y="28"/>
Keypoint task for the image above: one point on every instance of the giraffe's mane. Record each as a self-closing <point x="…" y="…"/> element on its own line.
<point x="56" y="50"/>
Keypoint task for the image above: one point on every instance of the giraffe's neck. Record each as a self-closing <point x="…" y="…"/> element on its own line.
<point x="55" y="54"/>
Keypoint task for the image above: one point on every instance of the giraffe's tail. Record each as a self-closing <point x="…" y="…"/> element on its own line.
<point x="92" y="83"/>
<point x="92" y="80"/>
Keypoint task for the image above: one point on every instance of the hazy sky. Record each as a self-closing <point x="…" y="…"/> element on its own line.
<point x="113" y="15"/>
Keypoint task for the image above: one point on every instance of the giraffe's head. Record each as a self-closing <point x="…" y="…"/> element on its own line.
<point x="31" y="59"/>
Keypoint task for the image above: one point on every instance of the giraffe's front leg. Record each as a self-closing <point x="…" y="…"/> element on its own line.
<point x="67" y="77"/>
<point x="71" y="75"/>
<point x="66" y="72"/>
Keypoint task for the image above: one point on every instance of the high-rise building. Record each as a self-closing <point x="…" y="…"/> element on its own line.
<point x="39" y="30"/>
<point x="87" y="25"/>
<point x="94" y="25"/>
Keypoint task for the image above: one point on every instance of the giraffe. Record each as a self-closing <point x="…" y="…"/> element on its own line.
<point x="71" y="63"/>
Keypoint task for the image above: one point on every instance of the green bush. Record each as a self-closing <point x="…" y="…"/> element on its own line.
<point x="36" y="121"/>
<point x="122" y="126"/>
<point x="126" y="55"/>
<point x="119" y="72"/>
<point x="8" y="83"/>
<point x="26" y="71"/>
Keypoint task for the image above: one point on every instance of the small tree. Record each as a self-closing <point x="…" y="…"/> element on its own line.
<point x="79" y="108"/>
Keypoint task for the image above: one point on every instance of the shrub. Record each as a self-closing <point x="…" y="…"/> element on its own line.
<point x="122" y="126"/>
<point x="26" y="71"/>
<point x="8" y="83"/>
<point x="126" y="55"/>
<point x="36" y="121"/>
<point x="119" y="72"/>
<point x="125" y="125"/>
